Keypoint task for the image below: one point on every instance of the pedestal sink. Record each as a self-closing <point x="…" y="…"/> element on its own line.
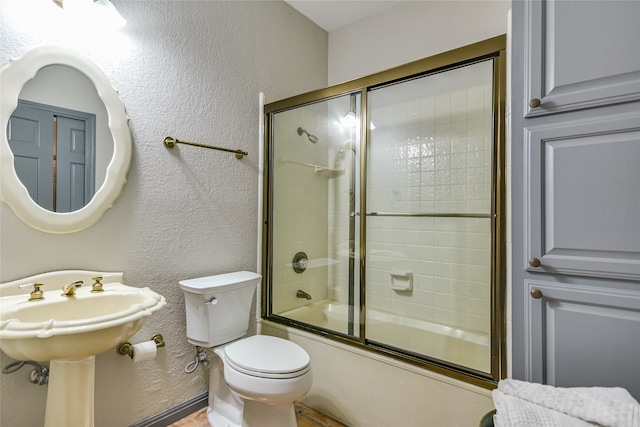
<point x="69" y="331"/>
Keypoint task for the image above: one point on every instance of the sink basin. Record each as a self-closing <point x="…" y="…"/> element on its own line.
<point x="69" y="331"/>
<point x="81" y="309"/>
<point x="61" y="327"/>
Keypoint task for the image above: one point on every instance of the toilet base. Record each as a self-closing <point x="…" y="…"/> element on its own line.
<point x="228" y="409"/>
<point x="256" y="414"/>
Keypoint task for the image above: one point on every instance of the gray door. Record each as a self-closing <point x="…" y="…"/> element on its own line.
<point x="581" y="336"/>
<point x="582" y="193"/>
<point x="575" y="200"/>
<point x="54" y="154"/>
<point x="30" y="135"/>
<point x="71" y="164"/>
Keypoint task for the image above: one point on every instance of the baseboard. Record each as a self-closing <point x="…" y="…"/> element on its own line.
<point x="171" y="415"/>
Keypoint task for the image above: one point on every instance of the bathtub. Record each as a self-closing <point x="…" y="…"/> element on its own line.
<point x="465" y="348"/>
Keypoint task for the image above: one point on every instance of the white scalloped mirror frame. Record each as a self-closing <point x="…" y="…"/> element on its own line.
<point x="13" y="76"/>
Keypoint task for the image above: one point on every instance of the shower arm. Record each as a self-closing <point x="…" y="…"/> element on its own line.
<point x="171" y="142"/>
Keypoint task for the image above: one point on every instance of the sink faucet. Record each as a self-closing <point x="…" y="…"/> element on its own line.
<point x="70" y="289"/>
<point x="97" y="285"/>
<point x="36" y="294"/>
<point x="302" y="294"/>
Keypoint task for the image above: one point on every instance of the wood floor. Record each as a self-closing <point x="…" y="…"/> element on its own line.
<point x="305" y="416"/>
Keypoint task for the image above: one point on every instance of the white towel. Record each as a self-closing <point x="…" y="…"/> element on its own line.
<point x="522" y="404"/>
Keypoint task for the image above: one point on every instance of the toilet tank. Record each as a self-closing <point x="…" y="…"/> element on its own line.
<point x="218" y="307"/>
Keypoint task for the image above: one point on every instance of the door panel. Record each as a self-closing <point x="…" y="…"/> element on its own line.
<point x="30" y="135"/>
<point x="583" y="190"/>
<point x="583" y="336"/>
<point x="71" y="188"/>
<point x="574" y="66"/>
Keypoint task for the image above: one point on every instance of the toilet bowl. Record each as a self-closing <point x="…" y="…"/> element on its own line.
<point x="265" y="375"/>
<point x="255" y="380"/>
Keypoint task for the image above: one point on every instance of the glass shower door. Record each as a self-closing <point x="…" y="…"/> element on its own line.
<point x="314" y="170"/>
<point x="430" y="216"/>
<point x="385" y="213"/>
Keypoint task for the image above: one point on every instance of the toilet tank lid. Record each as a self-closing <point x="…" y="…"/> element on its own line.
<point x="219" y="282"/>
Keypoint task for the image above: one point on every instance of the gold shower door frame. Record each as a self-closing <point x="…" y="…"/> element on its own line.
<point x="492" y="49"/>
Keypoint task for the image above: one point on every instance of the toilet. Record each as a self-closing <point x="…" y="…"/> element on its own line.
<point x="253" y="381"/>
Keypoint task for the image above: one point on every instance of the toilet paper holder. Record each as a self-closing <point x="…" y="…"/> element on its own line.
<point x="126" y="348"/>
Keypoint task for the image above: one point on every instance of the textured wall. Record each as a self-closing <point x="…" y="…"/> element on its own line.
<point x="192" y="70"/>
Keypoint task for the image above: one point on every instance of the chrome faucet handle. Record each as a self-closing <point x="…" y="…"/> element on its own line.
<point x="36" y="293"/>
<point x="97" y="285"/>
<point x="70" y="289"/>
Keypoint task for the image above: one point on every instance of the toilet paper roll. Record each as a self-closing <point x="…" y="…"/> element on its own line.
<point x="144" y="351"/>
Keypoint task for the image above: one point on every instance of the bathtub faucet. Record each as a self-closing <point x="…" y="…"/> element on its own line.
<point x="302" y="294"/>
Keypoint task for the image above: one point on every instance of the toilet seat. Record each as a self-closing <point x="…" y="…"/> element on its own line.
<point x="267" y="357"/>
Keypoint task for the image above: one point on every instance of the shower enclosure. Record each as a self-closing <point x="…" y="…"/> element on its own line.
<point x="384" y="212"/>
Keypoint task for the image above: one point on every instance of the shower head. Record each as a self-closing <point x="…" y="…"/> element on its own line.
<point x="312" y="138"/>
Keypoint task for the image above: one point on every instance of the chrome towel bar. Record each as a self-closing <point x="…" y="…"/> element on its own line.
<point x="171" y="142"/>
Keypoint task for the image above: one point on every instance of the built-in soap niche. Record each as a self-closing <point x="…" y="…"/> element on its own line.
<point x="402" y="282"/>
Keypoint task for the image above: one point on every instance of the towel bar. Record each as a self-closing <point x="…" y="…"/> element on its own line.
<point x="171" y="142"/>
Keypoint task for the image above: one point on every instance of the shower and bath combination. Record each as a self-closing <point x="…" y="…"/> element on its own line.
<point x="402" y="221"/>
<point x="312" y="138"/>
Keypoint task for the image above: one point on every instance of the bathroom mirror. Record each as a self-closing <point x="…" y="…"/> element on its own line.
<point x="114" y="143"/>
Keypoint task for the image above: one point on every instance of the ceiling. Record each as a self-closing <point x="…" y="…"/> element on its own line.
<point x="333" y="14"/>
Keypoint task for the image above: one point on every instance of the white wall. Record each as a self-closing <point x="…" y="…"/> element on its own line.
<point x="410" y="31"/>
<point x="192" y="70"/>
